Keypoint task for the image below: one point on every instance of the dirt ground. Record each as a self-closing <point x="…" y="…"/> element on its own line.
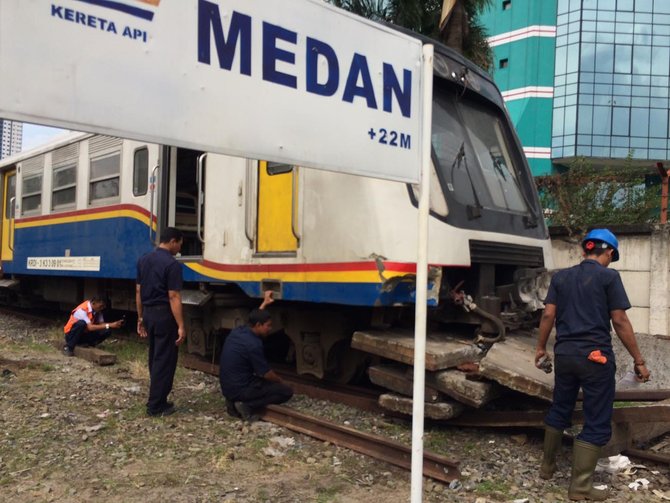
<point x="71" y="431"/>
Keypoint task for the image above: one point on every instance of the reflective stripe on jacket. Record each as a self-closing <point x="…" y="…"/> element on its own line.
<point x="85" y="306"/>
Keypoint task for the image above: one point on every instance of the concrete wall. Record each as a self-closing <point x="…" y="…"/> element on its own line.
<point x="644" y="266"/>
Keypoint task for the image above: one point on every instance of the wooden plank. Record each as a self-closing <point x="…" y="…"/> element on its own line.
<point x="649" y="456"/>
<point x="646" y="416"/>
<point x="442" y="350"/>
<point x="403" y="404"/>
<point x="95" y="355"/>
<point x="398" y="379"/>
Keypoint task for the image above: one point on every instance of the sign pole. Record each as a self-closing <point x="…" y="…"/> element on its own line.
<point x="418" y="397"/>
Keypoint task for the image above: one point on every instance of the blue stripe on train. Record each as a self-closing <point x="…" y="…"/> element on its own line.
<point x="120" y="241"/>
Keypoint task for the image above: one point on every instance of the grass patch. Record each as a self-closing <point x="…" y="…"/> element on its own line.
<point x="127" y="350"/>
<point x="327" y="494"/>
<point x="491" y="487"/>
<point x="135" y="411"/>
<point x="436" y="440"/>
<point x="44" y="367"/>
<point x="621" y="405"/>
<point x="40" y="346"/>
<point x="258" y="443"/>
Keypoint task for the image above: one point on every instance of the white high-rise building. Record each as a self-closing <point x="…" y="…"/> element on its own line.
<point x="11" y="133"/>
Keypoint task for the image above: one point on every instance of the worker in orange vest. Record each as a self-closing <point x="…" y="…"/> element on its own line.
<point x="87" y="326"/>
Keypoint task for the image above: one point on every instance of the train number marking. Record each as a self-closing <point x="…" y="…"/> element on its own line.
<point x="63" y="263"/>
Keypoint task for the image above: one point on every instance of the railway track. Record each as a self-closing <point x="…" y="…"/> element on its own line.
<point x="436" y="467"/>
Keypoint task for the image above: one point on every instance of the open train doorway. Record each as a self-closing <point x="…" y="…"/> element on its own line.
<point x="182" y="186"/>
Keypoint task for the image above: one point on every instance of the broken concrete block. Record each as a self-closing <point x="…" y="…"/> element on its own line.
<point x="403" y="404"/>
<point x="399" y="379"/>
<point x="442" y="351"/>
<point x="457" y="385"/>
<point x="511" y="362"/>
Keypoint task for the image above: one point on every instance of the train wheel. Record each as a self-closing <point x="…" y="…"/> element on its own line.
<point x="344" y="364"/>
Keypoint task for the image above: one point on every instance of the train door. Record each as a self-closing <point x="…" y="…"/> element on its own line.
<point x="8" y="213"/>
<point x="182" y="189"/>
<point x="277" y="203"/>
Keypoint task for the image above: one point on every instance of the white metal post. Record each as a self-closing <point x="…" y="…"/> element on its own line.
<point x="422" y="279"/>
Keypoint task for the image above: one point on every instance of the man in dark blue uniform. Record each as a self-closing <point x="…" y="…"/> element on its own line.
<point x="159" y="311"/>
<point x="582" y="300"/>
<point x="247" y="382"/>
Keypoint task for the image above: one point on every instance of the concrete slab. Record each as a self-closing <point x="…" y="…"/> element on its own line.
<point x="457" y="385"/>
<point x="656" y="352"/>
<point x="512" y="363"/>
<point x="399" y="378"/>
<point x="442" y="351"/>
<point x="403" y="404"/>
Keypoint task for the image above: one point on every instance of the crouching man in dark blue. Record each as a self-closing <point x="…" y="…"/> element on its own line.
<point x="582" y="300"/>
<point x="247" y="382"/>
<point x="86" y="326"/>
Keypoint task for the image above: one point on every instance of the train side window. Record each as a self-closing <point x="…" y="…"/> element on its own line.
<point x="64" y="186"/>
<point x="140" y="171"/>
<point x="105" y="175"/>
<point x="31" y="198"/>
<point x="278" y="168"/>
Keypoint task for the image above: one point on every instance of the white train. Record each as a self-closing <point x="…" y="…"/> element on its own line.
<point x="338" y="250"/>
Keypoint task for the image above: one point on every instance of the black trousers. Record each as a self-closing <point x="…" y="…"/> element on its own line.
<point x="598" y="385"/>
<point x="263" y="392"/>
<point x="162" y="329"/>
<point x="78" y="336"/>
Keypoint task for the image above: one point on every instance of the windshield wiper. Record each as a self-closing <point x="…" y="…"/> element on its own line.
<point x="476" y="210"/>
<point x="528" y="220"/>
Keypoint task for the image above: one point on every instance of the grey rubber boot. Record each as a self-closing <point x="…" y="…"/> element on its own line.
<point x="585" y="457"/>
<point x="552" y="444"/>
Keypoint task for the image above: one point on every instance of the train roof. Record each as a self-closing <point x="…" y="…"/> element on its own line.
<point x="59" y="141"/>
<point x="449" y="64"/>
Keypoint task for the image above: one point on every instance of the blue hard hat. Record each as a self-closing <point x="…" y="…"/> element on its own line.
<point x="603" y="236"/>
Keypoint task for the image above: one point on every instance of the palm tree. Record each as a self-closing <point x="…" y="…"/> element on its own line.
<point x="461" y="30"/>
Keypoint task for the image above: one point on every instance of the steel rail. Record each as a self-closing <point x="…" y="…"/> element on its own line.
<point x="436" y="467"/>
<point x="360" y="398"/>
<point x="43" y="319"/>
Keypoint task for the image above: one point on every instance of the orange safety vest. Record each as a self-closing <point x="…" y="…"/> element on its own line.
<point x="86" y="306"/>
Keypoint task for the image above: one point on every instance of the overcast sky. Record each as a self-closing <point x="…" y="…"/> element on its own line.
<point x="34" y="136"/>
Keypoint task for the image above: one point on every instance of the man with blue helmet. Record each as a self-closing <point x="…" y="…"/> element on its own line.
<point x="582" y="300"/>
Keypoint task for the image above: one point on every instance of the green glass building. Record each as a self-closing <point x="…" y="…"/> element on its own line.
<point x="584" y="77"/>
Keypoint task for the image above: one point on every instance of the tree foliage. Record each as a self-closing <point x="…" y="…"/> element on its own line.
<point x="585" y="196"/>
<point x="463" y="32"/>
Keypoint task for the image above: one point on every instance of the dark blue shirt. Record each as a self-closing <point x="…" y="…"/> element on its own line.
<point x="158" y="272"/>
<point x="242" y="361"/>
<point x="584" y="296"/>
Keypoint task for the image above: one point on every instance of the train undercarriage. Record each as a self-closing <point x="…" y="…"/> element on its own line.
<point x="473" y="307"/>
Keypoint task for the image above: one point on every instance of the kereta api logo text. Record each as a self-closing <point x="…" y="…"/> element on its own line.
<point x="129" y="7"/>
<point x="110" y="16"/>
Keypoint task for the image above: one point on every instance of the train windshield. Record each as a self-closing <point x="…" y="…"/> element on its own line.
<point x="474" y="156"/>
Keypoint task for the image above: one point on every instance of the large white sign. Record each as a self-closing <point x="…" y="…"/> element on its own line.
<point x="297" y="81"/>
